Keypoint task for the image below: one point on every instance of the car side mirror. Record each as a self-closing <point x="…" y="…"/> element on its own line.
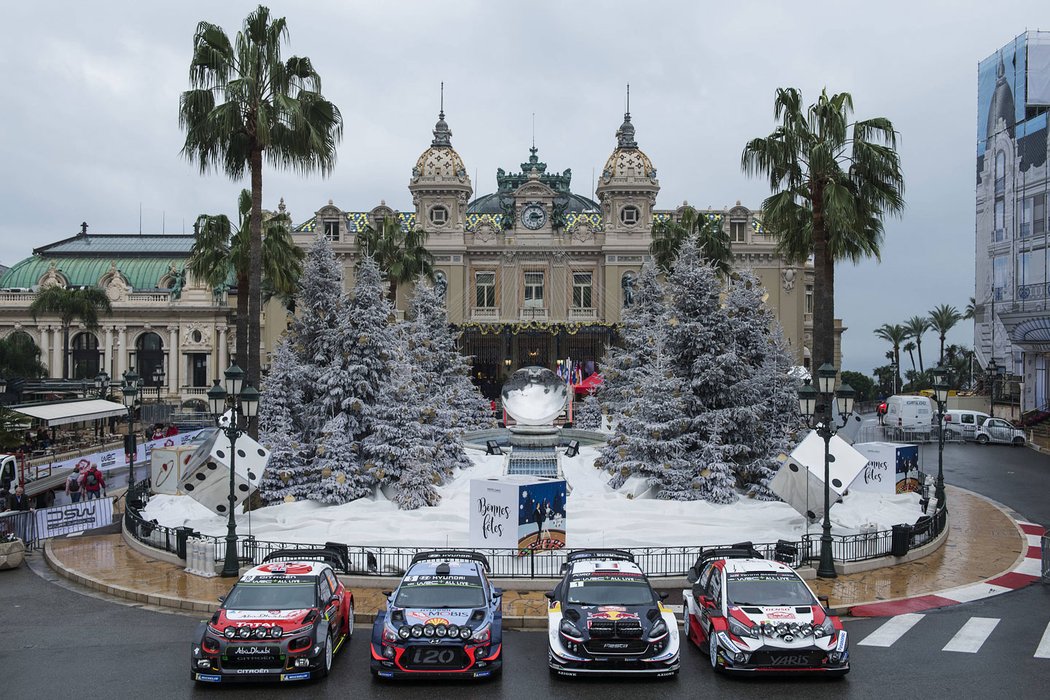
<point x="825" y="603"/>
<point x="692" y="575"/>
<point x="549" y="595"/>
<point x="222" y="599"/>
<point x="663" y="595"/>
<point x="497" y="592"/>
<point x="388" y="593"/>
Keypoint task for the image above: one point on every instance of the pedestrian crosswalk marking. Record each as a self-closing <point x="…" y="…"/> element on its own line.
<point x="891" y="630"/>
<point x="972" y="635"/>
<point x="1043" y="650"/>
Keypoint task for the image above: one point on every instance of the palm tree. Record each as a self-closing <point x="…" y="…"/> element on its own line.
<point x="917" y="325"/>
<point x="971" y="309"/>
<point x="896" y="335"/>
<point x="400" y="254"/>
<point x="244" y="104"/>
<point x="909" y="348"/>
<point x="833" y="182"/>
<point x="85" y="305"/>
<point x="708" y="233"/>
<point x="943" y="318"/>
<point x="219" y="248"/>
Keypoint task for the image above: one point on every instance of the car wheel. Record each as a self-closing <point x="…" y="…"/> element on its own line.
<point x="326" y="667"/>
<point x="713" y="651"/>
<point x="349" y="622"/>
<point x="1018" y="441"/>
<point x="982" y="439"/>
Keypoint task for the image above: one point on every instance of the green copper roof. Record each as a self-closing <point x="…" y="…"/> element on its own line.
<point x="122" y="244"/>
<point x="141" y="273"/>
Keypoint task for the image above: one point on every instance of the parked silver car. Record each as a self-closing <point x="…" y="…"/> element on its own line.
<point x="999" y="430"/>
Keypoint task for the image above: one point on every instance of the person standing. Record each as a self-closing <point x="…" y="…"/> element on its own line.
<point x="19" y="500"/>
<point x="73" y="485"/>
<point x="93" y="483"/>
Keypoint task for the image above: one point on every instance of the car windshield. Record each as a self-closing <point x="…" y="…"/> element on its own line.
<point x="610" y="590"/>
<point x="767" y="589"/>
<point x="272" y="596"/>
<point x="434" y="591"/>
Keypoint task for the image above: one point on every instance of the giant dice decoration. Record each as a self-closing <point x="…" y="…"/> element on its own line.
<point x="168" y="467"/>
<point x="209" y="482"/>
<point x="800" y="480"/>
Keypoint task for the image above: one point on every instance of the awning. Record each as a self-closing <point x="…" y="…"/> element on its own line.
<point x="65" y="412"/>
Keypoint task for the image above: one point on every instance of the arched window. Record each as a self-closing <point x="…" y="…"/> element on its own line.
<point x="1000" y="172"/>
<point x="86" y="357"/>
<point x="149" y="351"/>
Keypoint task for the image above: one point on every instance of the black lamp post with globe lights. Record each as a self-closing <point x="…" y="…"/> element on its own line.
<point x="244" y="402"/>
<point x="815" y="404"/>
<point x="130" y="391"/>
<point x="940" y="392"/>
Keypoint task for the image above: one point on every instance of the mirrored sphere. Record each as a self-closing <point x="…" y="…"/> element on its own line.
<point x="534" y="396"/>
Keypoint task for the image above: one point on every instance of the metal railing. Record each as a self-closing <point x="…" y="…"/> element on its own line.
<point x="657" y="562"/>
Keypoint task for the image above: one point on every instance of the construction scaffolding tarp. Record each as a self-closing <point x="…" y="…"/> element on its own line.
<point x="54" y="413"/>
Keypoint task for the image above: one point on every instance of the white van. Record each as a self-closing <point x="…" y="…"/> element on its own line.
<point x="910" y="414"/>
<point x="963" y="425"/>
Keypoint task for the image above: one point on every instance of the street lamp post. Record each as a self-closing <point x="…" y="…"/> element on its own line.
<point x="130" y="391"/>
<point x="940" y="392"/>
<point x="993" y="369"/>
<point x="893" y="366"/>
<point x="244" y="403"/>
<point x="102" y="390"/>
<point x="158" y="379"/>
<point x="815" y="403"/>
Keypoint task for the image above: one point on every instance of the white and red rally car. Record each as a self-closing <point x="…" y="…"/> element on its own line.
<point x="282" y="621"/>
<point x="754" y="615"/>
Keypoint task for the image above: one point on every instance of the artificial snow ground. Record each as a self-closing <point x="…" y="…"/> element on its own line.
<point x="596" y="516"/>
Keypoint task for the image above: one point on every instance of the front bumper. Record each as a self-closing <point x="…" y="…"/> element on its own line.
<point x="663" y="664"/>
<point x="783" y="660"/>
<point x="283" y="666"/>
<point x="471" y="664"/>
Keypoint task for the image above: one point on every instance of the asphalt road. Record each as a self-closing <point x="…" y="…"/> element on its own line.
<point x="57" y="642"/>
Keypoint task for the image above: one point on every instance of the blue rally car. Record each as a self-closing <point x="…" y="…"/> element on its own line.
<point x="443" y="620"/>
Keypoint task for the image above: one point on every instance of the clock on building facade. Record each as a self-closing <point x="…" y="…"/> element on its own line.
<point x="533" y="216"/>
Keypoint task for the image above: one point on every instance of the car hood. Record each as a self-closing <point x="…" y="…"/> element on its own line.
<point x="287" y="619"/>
<point x="612" y="621"/>
<point x="780" y="620"/>
<point x="437" y="616"/>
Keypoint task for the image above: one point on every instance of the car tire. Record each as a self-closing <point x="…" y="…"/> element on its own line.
<point x="1018" y="442"/>
<point x="349" y="622"/>
<point x="326" y="663"/>
<point x="982" y="439"/>
<point x="712" y="650"/>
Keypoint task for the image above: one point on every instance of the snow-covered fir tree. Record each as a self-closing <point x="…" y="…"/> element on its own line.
<point x="349" y="386"/>
<point x="641" y="322"/>
<point x="652" y="437"/>
<point x="701" y="345"/>
<point x="281" y="403"/>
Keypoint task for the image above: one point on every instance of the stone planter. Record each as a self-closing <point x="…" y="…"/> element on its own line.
<point x="12" y="554"/>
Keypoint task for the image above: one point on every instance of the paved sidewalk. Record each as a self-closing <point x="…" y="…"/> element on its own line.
<point x="987" y="552"/>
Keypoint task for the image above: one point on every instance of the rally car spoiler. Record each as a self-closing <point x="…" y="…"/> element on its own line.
<point x="332" y="553"/>
<point x="742" y="550"/>
<point x="608" y="554"/>
<point x="448" y="554"/>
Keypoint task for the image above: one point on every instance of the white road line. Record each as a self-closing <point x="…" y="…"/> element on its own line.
<point x="892" y="630"/>
<point x="1043" y="650"/>
<point x="972" y="635"/>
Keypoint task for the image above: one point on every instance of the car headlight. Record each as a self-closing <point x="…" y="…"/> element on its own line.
<point x="229" y="632"/>
<point x="441" y="630"/>
<point x="824" y="629"/>
<point x="262" y="632"/>
<point x="658" y="630"/>
<point x="244" y="632"/>
<point x="465" y="632"/>
<point x="417" y="631"/>
<point x="428" y="630"/>
<point x="404" y="632"/>
<point x="482" y="634"/>
<point x="452" y="631"/>
<point x="741" y="630"/>
<point x="572" y="631"/>
<point x="276" y="632"/>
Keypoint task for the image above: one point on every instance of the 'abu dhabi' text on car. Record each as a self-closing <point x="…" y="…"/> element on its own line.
<point x="282" y="621"/>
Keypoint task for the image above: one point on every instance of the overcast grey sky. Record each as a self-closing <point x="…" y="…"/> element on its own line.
<point x="90" y="128"/>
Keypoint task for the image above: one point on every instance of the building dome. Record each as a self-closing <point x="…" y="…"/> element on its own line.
<point x="1002" y="105"/>
<point x="440" y="161"/>
<point x="628" y="161"/>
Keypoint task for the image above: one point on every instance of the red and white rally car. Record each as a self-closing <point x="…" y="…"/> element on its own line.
<point x="282" y="621"/>
<point x="755" y="615"/>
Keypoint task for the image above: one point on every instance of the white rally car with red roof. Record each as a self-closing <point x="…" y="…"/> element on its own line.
<point x="755" y="615"/>
<point x="282" y="621"/>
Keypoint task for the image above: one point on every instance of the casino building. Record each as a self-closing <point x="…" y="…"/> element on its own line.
<point x="533" y="273"/>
